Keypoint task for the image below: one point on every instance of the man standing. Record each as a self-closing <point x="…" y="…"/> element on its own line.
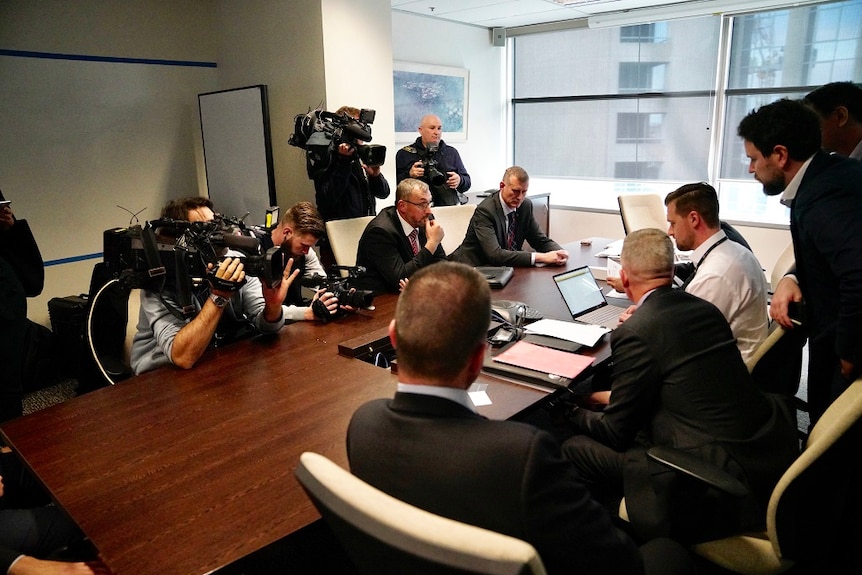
<point x="824" y="192"/>
<point x="725" y="274"/>
<point x="500" y="225"/>
<point x="22" y="275"/>
<point x="429" y="447"/>
<point x="429" y="159"/>
<point x="226" y="304"/>
<point x="678" y="380"/>
<point x="839" y="107"/>
<point x="400" y="240"/>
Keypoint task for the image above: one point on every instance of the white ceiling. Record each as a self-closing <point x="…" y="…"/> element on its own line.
<point x="511" y="13"/>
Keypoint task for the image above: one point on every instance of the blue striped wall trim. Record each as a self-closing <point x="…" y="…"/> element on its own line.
<point x="73" y="259"/>
<point x="112" y="59"/>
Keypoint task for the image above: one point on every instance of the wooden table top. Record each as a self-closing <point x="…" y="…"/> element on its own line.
<point x="184" y="472"/>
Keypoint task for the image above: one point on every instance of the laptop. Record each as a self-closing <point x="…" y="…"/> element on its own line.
<point x="584" y="298"/>
<point x="497" y="276"/>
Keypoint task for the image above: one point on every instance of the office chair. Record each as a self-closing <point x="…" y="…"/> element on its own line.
<point x="783" y="264"/>
<point x="776" y="365"/>
<point x="812" y="516"/>
<point x="639" y="211"/>
<point x="344" y="238"/>
<point x="384" y="535"/>
<point x="455" y="221"/>
<point x="111" y="324"/>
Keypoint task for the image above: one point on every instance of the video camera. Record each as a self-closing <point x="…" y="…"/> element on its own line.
<point x="176" y="254"/>
<point x="340" y="287"/>
<point x="432" y="173"/>
<point x="320" y="133"/>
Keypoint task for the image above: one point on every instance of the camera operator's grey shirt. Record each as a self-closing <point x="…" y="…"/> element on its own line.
<point x="157" y="326"/>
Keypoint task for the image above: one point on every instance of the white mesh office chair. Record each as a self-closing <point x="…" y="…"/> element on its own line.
<point x="344" y="238"/>
<point x="384" y="535"/>
<point x="455" y="221"/>
<point x="641" y="211"/>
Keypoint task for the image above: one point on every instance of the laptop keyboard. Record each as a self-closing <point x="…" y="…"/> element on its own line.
<point x="601" y="316"/>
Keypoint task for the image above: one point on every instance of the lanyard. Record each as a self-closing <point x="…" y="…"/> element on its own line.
<point x="700" y="262"/>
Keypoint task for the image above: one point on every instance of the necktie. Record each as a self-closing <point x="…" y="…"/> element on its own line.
<point x="510" y="234"/>
<point x="414" y="241"/>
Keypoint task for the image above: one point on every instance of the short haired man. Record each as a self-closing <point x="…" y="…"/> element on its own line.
<point x="297" y="232"/>
<point x="410" y="162"/>
<point x="429" y="447"/>
<point x="839" y="107"/>
<point x="782" y="142"/>
<point x="500" y="225"/>
<point x="400" y="240"/>
<point x="164" y="339"/>
<point x="725" y="273"/>
<point x="678" y="380"/>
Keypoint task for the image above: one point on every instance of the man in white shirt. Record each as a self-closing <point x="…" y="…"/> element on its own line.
<point x="726" y="274"/>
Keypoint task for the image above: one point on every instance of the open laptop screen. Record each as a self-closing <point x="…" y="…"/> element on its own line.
<point x="580" y="290"/>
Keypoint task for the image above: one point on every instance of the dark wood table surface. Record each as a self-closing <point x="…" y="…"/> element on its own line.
<point x="187" y="471"/>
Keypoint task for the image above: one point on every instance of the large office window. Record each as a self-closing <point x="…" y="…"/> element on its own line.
<point x="597" y="113"/>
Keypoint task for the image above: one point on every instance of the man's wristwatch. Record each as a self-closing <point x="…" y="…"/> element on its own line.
<point x="218" y="300"/>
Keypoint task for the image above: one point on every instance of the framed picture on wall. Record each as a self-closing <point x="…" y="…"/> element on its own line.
<point x="422" y="89"/>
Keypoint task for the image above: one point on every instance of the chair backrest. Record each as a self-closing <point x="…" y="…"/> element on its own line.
<point x="818" y="496"/>
<point x="383" y="535"/>
<point x="640" y="211"/>
<point x="782" y="265"/>
<point x="344" y="238"/>
<point x="111" y="324"/>
<point x="455" y="221"/>
<point x="776" y="365"/>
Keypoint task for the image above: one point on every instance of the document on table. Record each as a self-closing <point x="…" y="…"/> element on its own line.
<point x="612" y="250"/>
<point x="581" y="333"/>
<point x="544" y="359"/>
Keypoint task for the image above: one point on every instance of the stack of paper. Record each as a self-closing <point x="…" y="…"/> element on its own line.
<point x="545" y="359"/>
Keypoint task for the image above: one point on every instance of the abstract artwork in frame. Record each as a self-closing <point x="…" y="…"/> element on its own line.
<point x="422" y="89"/>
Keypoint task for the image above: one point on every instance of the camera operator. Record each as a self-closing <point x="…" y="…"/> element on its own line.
<point x="349" y="187"/>
<point x="429" y="159"/>
<point x="225" y="311"/>
<point x="299" y="229"/>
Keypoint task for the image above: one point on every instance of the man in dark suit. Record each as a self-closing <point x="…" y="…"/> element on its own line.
<point x="428" y="446"/>
<point x="501" y="224"/>
<point x="824" y="192"/>
<point x="678" y="380"/>
<point x="400" y="239"/>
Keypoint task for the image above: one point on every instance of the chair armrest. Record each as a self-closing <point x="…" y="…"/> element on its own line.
<point x="698" y="468"/>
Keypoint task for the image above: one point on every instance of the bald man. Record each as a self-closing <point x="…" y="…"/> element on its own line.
<point x="428" y="155"/>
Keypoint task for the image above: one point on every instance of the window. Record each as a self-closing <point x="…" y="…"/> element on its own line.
<point x="637" y="127"/>
<point x="638" y="107"/>
<point x="656" y="32"/>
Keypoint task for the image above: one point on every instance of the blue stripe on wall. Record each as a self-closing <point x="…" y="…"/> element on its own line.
<point x="83" y="57"/>
<point x="73" y="259"/>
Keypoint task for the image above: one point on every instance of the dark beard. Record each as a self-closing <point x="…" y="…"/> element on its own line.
<point x="773" y="187"/>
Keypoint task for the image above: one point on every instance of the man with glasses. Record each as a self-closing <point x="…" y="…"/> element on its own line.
<point x="400" y="240"/>
<point x="500" y="225"/>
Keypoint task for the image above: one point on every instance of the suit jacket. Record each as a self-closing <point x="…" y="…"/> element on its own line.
<point x="826" y="227"/>
<point x="505" y="476"/>
<point x="386" y="254"/>
<point x="485" y="242"/>
<point x="678" y="380"/>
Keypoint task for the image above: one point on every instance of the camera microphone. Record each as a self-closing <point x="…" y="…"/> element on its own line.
<point x="357" y="132"/>
<point x="313" y="282"/>
<point x="241" y="243"/>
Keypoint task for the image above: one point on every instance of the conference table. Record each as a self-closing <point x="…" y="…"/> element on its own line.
<point x="186" y="471"/>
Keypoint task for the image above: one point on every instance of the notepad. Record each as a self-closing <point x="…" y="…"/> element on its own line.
<point x="544" y="359"/>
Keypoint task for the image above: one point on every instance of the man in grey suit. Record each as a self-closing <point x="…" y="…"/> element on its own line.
<point x="501" y="224"/>
<point x="678" y="380"/>
<point x="429" y="447"/>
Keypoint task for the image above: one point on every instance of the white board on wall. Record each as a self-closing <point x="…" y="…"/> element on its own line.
<point x="238" y="152"/>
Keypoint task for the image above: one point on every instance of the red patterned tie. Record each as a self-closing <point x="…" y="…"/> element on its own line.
<point x="510" y="234"/>
<point x="414" y="242"/>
